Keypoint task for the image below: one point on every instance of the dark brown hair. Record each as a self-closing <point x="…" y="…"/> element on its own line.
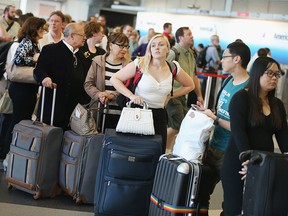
<point x="92" y="27"/>
<point x="30" y="28"/>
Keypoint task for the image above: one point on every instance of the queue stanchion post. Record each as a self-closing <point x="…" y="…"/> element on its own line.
<point x="208" y="85"/>
<point x="207" y="91"/>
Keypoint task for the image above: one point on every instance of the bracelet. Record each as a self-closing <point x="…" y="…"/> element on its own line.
<point x="216" y="121"/>
<point x="130" y="96"/>
<point x="113" y="94"/>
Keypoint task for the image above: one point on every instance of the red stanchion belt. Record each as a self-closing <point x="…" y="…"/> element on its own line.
<point x="212" y="75"/>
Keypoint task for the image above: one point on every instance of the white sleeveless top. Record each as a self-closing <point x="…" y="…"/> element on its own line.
<point x="154" y="93"/>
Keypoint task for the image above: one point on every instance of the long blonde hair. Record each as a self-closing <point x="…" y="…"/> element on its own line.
<point x="146" y="59"/>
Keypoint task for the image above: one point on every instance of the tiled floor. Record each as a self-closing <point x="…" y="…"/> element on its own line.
<point x="18" y="203"/>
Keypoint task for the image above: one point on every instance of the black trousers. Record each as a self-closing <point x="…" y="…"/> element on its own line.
<point x="5" y="121"/>
<point x="160" y="125"/>
<point x="23" y="97"/>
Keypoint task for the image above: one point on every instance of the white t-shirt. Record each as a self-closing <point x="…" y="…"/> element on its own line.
<point x="154" y="93"/>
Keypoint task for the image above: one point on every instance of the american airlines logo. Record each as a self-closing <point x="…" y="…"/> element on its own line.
<point x="281" y="37"/>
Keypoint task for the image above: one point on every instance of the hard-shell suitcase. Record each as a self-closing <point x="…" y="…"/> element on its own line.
<point x="33" y="160"/>
<point x="266" y="188"/>
<point x="176" y="187"/>
<point x="78" y="165"/>
<point x="125" y="174"/>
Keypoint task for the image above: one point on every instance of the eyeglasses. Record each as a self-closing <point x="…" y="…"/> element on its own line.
<point x="79" y="34"/>
<point x="122" y="46"/>
<point x="227" y="56"/>
<point x="271" y="73"/>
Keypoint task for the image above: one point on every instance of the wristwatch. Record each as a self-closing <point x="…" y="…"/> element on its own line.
<point x="216" y="121"/>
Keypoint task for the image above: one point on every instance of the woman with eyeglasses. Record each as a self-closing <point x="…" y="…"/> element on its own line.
<point x="97" y="83"/>
<point x="255" y="116"/>
<point x="23" y="95"/>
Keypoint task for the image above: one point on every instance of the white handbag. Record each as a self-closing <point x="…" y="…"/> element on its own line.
<point x="194" y="131"/>
<point x="136" y="120"/>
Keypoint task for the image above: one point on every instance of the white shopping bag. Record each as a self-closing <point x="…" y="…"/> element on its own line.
<point x="194" y="131"/>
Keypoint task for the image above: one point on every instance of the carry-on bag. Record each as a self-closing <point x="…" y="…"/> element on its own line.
<point x="266" y="188"/>
<point x="176" y="188"/>
<point x="33" y="160"/>
<point x="78" y="165"/>
<point x="125" y="174"/>
<point x="193" y="137"/>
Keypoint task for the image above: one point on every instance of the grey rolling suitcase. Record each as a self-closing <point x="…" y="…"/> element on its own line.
<point x="33" y="160"/>
<point x="78" y="166"/>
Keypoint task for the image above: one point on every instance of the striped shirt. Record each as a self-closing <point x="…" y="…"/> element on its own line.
<point x="109" y="88"/>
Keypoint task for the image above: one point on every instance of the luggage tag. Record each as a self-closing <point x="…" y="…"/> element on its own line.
<point x="78" y="113"/>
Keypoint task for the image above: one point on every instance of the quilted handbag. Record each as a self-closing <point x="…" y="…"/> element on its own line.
<point x="22" y="74"/>
<point x="82" y="121"/>
<point x="6" y="105"/>
<point x="136" y="120"/>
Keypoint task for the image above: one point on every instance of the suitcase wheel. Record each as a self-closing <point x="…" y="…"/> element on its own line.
<point x="37" y="195"/>
<point x="78" y="201"/>
<point x="10" y="187"/>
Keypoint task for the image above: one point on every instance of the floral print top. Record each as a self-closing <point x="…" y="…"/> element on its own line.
<point x="25" y="53"/>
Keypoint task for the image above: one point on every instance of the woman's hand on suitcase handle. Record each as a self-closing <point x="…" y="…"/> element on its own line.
<point x="243" y="171"/>
<point x="105" y="97"/>
<point x="47" y="82"/>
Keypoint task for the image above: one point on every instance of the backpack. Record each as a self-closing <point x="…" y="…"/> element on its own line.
<point x="132" y="83"/>
<point x="222" y="87"/>
<point x="177" y="53"/>
<point x="201" y="58"/>
<point x="4" y="49"/>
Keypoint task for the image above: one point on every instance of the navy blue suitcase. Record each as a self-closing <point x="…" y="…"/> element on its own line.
<point x="126" y="173"/>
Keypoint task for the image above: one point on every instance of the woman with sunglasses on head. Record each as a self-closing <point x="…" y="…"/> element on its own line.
<point x="155" y="84"/>
<point x="255" y="116"/>
<point x="23" y="95"/>
<point x="97" y="83"/>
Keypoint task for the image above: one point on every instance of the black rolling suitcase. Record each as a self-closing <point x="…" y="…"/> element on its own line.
<point x="125" y="174"/>
<point x="176" y="187"/>
<point x="266" y="188"/>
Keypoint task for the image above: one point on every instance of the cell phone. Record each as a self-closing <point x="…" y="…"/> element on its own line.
<point x="194" y="107"/>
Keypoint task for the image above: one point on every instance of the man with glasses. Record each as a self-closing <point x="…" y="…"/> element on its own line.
<point x="54" y="35"/>
<point x="234" y="61"/>
<point x="60" y="65"/>
<point x="9" y="23"/>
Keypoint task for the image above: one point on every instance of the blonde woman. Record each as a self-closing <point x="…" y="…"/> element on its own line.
<point x="156" y="83"/>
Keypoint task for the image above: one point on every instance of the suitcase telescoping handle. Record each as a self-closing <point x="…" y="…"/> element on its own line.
<point x="53" y="105"/>
<point x="253" y="156"/>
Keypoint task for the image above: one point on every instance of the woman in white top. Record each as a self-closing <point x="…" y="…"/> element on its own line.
<point x="156" y="83"/>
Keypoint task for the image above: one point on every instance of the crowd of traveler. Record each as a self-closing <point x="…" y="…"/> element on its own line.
<point x="89" y="62"/>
